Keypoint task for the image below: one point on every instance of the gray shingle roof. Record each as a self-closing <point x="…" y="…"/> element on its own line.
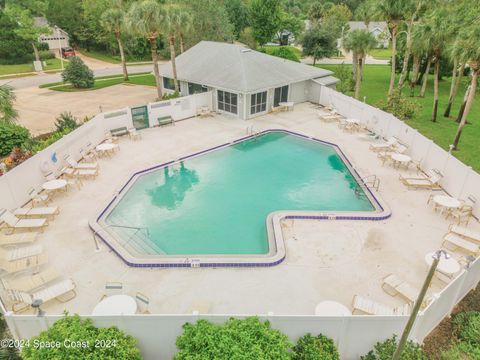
<point x="232" y="67"/>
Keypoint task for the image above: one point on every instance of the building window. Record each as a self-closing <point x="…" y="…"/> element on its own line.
<point x="227" y="101"/>
<point x="281" y="95"/>
<point x="196" y="88"/>
<point x="168" y="83"/>
<point x="258" y="102"/>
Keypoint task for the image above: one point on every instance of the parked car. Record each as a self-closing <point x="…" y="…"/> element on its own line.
<point x="68" y="51"/>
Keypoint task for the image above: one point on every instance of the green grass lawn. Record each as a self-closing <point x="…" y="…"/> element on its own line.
<point x="99" y="56"/>
<point x="105" y="81"/>
<point x="51" y="64"/>
<point x="375" y="87"/>
<point x="381" y="54"/>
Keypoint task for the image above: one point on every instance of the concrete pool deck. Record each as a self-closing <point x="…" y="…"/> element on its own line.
<point x="325" y="260"/>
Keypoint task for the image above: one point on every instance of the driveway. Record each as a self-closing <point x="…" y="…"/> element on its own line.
<point x="38" y="108"/>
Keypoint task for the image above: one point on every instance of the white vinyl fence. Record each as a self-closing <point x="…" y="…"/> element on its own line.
<point x="354" y="335"/>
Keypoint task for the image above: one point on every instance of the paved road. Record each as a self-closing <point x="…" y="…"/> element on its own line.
<point x="36" y="80"/>
<point x="347" y="60"/>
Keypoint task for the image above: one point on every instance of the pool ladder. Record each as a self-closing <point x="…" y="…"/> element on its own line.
<point x="251" y="131"/>
<point x="372" y="182"/>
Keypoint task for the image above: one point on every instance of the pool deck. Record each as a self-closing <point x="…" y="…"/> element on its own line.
<point x="325" y="260"/>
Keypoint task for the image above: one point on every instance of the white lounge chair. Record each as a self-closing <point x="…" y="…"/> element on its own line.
<point x="465" y="232"/>
<point x="20" y="238"/>
<point x="393" y="286"/>
<point x="462" y="214"/>
<point x="142" y="303"/>
<point x="112" y="288"/>
<point x="79" y="173"/>
<point x="133" y="134"/>
<point x="367" y="306"/>
<point x="13" y="223"/>
<point x="452" y="239"/>
<point x="23" y="264"/>
<point x="38" y="212"/>
<point x="38" y="197"/>
<point x="389" y="145"/>
<point x="63" y="291"/>
<point x="20" y="252"/>
<point x="27" y="283"/>
<point x="80" y="166"/>
<point x="431" y="181"/>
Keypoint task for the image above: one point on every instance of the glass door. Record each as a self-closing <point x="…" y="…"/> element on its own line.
<point x="140" y="117"/>
<point x="281" y="95"/>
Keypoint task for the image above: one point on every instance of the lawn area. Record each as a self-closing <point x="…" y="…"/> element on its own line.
<point x="375" y="87"/>
<point x="381" y="54"/>
<point x="100" y="56"/>
<point x="297" y="52"/>
<point x="51" y="64"/>
<point x="105" y="81"/>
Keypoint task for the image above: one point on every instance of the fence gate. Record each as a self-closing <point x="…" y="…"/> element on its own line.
<point x="140" y="117"/>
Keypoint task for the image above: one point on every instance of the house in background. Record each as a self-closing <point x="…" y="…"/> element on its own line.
<point x="57" y="39"/>
<point x="245" y="83"/>
<point x="379" y="29"/>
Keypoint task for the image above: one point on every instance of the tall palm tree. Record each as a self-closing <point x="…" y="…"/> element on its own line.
<point x="392" y="11"/>
<point x="359" y="42"/>
<point x="113" y="21"/>
<point x="7" y="98"/>
<point x="173" y="22"/>
<point x="146" y="18"/>
<point x="419" y="50"/>
<point x="185" y="25"/>
<point x="468" y="46"/>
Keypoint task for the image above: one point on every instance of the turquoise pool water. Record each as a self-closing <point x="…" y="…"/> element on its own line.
<point x="217" y="203"/>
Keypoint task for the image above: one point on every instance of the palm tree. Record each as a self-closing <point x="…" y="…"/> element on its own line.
<point x="419" y="50"/>
<point x="359" y="42"/>
<point x="113" y="21"/>
<point x="392" y="11"/>
<point x="7" y="98"/>
<point x="185" y="24"/>
<point x="146" y="18"/>
<point x="173" y="25"/>
<point x="468" y="46"/>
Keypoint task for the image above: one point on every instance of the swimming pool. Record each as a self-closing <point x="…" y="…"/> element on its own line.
<point x="220" y="204"/>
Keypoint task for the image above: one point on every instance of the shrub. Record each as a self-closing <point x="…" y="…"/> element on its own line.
<point x="12" y="135"/>
<point x="461" y="351"/>
<point x="78" y="74"/>
<point x="96" y="343"/>
<point x="346" y="82"/>
<point x="402" y="107"/>
<point x="319" y="347"/>
<point x="168" y="96"/>
<point x="46" y="55"/>
<point x="66" y="121"/>
<point x="246" y="37"/>
<point x="37" y="146"/>
<point x="466" y="327"/>
<point x="236" y="339"/>
<point x="385" y="350"/>
<point x="284" y="53"/>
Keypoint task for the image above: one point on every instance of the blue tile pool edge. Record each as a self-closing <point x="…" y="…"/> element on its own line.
<point x="382" y="212"/>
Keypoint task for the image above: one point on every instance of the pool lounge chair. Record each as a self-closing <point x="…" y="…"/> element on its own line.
<point x="20" y="252"/>
<point x="36" y="198"/>
<point x="14" y="223"/>
<point x="389" y="145"/>
<point x="80" y="166"/>
<point x="63" y="291"/>
<point x="367" y="306"/>
<point x="430" y="182"/>
<point x="79" y="173"/>
<point x="23" y="264"/>
<point x="452" y="239"/>
<point x="20" y="238"/>
<point x="464" y="232"/>
<point x="393" y="286"/>
<point x="462" y="214"/>
<point x="30" y="282"/>
<point x="38" y="212"/>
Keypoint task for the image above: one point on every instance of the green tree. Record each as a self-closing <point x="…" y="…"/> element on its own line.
<point x="78" y="74"/>
<point x="113" y="20"/>
<point x="173" y="22"/>
<point x="13" y="49"/>
<point x="8" y="113"/>
<point x="289" y="23"/>
<point x="392" y="11"/>
<point x="335" y="18"/>
<point x="359" y="42"/>
<point x="385" y="350"/>
<point x="264" y="19"/>
<point x="27" y="30"/>
<point x="467" y="46"/>
<point x="67" y="14"/>
<point x="284" y="52"/>
<point x="365" y="12"/>
<point x="318" y="43"/>
<point x="146" y="19"/>
<point x="72" y="329"/>
<point x="318" y="347"/>
<point x="238" y="15"/>
<point x="185" y="23"/>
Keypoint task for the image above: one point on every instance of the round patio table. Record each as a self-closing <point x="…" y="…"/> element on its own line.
<point x="331" y="308"/>
<point x="446" y="201"/>
<point x="54" y="185"/>
<point x="116" y="305"/>
<point x="401" y="159"/>
<point x="448" y="267"/>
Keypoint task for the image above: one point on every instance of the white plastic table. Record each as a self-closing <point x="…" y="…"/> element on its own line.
<point x="54" y="185"/>
<point x="287" y="104"/>
<point x="352" y="121"/>
<point x="446" y="201"/>
<point x="401" y="159"/>
<point x="332" y="308"/>
<point x="106" y="148"/>
<point x="446" y="267"/>
<point x="116" y="305"/>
